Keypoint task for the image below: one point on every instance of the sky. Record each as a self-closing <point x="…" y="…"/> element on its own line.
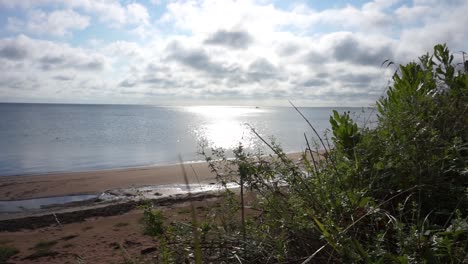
<point x="217" y="52"/>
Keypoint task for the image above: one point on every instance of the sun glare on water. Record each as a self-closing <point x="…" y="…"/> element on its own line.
<point x="223" y="126"/>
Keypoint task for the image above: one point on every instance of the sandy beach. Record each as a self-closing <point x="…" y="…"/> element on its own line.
<point x="99" y="234"/>
<point x="93" y="182"/>
<point x="111" y="239"/>
<point x="90" y="182"/>
<point x="98" y="239"/>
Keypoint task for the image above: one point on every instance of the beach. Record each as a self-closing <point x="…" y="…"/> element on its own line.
<point x="95" y="182"/>
<point x="94" y="232"/>
<point x="105" y="233"/>
<point x="111" y="239"/>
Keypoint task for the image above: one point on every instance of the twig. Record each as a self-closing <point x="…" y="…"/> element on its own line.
<point x="242" y="176"/>
<point x="311" y="126"/>
<point x="313" y="255"/>
<point x="56" y="220"/>
<point x="196" y="175"/>
<point x="196" y="242"/>
<point x="199" y="183"/>
<point x="311" y="154"/>
<point x="327" y="154"/>
<point x="238" y="259"/>
<point x="285" y="160"/>
<point x="378" y="206"/>
<point x="126" y="255"/>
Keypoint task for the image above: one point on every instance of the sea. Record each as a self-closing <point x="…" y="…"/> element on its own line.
<point x="46" y="138"/>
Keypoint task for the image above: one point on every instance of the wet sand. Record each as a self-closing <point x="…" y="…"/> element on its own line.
<point x="91" y="182"/>
<point x="94" y="182"/>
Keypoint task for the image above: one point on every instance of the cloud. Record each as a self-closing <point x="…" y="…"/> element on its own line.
<point x="199" y="60"/>
<point x="123" y="49"/>
<point x="226" y="50"/>
<point x="14" y="49"/>
<point x="157" y="82"/>
<point x="412" y="14"/>
<point x="379" y="5"/>
<point x="19" y="82"/>
<point x="262" y="69"/>
<point x="287" y="49"/>
<point x="137" y="14"/>
<point x="230" y="39"/>
<point x="354" y="50"/>
<point x="63" y="77"/>
<point x="63" y="60"/>
<point x="43" y="66"/>
<point x="259" y="18"/>
<point x="58" y="23"/>
<point x="314" y="83"/>
<point x="313" y="58"/>
<point x="111" y="12"/>
<point x="127" y="83"/>
<point x="441" y="25"/>
<point x="360" y="78"/>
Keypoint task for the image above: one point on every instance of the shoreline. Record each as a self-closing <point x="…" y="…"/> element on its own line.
<point x="101" y="169"/>
<point x="98" y="181"/>
<point x="97" y="169"/>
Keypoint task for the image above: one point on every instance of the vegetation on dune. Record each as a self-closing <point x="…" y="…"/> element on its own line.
<point x="6" y="252"/>
<point x="43" y="249"/>
<point x="152" y="221"/>
<point x="395" y="193"/>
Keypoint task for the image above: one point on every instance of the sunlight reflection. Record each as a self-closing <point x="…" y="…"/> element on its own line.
<point x="226" y="134"/>
<point x="223" y="112"/>
<point x="223" y="127"/>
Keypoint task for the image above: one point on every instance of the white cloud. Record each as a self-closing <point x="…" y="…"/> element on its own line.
<point x="379" y="4"/>
<point x="227" y="50"/>
<point x="137" y="14"/>
<point x="108" y="11"/>
<point x="413" y="13"/>
<point x="210" y="16"/>
<point x="58" y="23"/>
<point x="40" y="67"/>
<point x="442" y="24"/>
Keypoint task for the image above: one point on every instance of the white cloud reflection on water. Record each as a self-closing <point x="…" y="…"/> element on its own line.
<point x="225" y="126"/>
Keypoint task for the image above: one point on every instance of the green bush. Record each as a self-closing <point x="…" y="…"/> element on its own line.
<point x="153" y="221"/>
<point x="396" y="193"/>
<point x="346" y="133"/>
<point x="7" y="252"/>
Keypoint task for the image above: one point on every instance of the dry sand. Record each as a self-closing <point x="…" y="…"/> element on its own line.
<point x="109" y="239"/>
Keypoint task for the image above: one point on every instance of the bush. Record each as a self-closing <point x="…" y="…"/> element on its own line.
<point x="423" y="132"/>
<point x="153" y="221"/>
<point x="7" y="252"/>
<point x="396" y="193"/>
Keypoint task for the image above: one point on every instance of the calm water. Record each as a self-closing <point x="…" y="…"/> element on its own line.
<point x="41" y="138"/>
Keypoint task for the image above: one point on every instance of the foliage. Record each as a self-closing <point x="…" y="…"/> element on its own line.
<point x="7" y="252"/>
<point x="423" y="128"/>
<point x="153" y="221"/>
<point x="43" y="249"/>
<point x="396" y="193"/>
<point x="345" y="131"/>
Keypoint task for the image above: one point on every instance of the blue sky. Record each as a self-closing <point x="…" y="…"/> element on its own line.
<point x="251" y="52"/>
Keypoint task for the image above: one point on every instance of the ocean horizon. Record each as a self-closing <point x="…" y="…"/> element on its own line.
<point x="48" y="138"/>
